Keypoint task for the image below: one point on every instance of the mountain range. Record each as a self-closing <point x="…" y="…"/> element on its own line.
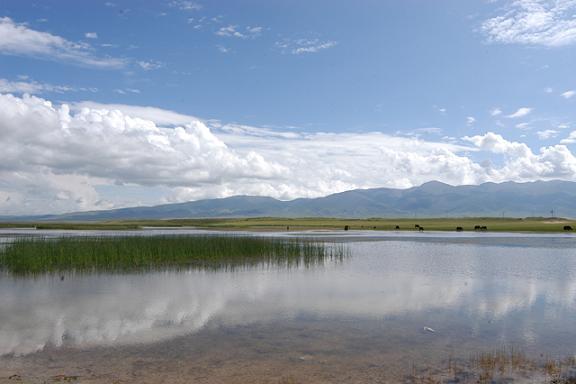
<point x="432" y="199"/>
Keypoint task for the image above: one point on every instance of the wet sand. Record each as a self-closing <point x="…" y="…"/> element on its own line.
<point x="317" y="351"/>
<point x="303" y="351"/>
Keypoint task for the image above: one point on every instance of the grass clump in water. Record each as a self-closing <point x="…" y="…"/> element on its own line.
<point x="29" y="256"/>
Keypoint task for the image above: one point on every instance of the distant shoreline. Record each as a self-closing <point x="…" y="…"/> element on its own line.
<point x="466" y="224"/>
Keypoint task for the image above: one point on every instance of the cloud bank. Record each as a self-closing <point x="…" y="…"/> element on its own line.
<point x="56" y="157"/>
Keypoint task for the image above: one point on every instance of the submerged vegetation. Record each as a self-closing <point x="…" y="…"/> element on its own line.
<point x="30" y="255"/>
<point x="506" y="365"/>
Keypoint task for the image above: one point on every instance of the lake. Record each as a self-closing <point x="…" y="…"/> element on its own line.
<point x="400" y="304"/>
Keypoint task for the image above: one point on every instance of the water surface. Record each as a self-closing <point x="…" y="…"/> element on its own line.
<point x="401" y="300"/>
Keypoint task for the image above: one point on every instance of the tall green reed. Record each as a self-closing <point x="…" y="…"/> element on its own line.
<point x="30" y="256"/>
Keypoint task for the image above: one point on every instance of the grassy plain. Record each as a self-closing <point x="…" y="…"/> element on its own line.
<point x="298" y="224"/>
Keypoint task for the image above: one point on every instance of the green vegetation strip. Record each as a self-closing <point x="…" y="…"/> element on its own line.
<point x="492" y="224"/>
<point x="30" y="256"/>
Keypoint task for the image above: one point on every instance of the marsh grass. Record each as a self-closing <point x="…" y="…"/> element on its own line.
<point x="32" y="256"/>
<point x="499" y="366"/>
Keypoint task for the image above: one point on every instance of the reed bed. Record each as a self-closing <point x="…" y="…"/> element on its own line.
<point x="30" y="256"/>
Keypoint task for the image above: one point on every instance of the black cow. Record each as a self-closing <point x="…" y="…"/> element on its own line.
<point x="459" y="229"/>
<point x="567" y="228"/>
<point x="397" y="227"/>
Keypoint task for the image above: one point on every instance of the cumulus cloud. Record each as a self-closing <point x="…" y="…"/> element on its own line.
<point x="470" y="120"/>
<point x="91" y="35"/>
<point x="158" y="116"/>
<point x="571" y="139"/>
<point x="534" y="22"/>
<point x="521" y="164"/>
<point x="107" y="145"/>
<point x="495" y="112"/>
<point x="58" y="157"/>
<point x="20" y="40"/>
<point x="568" y="94"/>
<point x="520" y="112"/>
<point x="304" y="46"/>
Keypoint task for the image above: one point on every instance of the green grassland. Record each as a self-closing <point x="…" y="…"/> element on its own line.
<point x="31" y="256"/>
<point x="298" y="224"/>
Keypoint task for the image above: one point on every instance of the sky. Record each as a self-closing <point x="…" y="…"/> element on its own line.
<point x="108" y="104"/>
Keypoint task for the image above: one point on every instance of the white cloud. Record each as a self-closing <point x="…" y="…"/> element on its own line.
<point x="32" y="87"/>
<point x="91" y="35"/>
<point x="304" y="46"/>
<point x="534" y="22"/>
<point x="241" y="33"/>
<point x="547" y="134"/>
<point x="568" y="94"/>
<point x="222" y="49"/>
<point x="520" y="112"/>
<point x="470" y="120"/>
<point x="186" y="5"/>
<point x="523" y="126"/>
<point x="158" y="116"/>
<point x="495" y="112"/>
<point x="571" y="139"/>
<point x="521" y="164"/>
<point x="56" y="157"/>
<point x="149" y="65"/>
<point x="429" y="131"/>
<point x="108" y="146"/>
<point x="127" y="91"/>
<point x="20" y="40"/>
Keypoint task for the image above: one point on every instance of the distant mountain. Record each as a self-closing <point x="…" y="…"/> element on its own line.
<point x="433" y="199"/>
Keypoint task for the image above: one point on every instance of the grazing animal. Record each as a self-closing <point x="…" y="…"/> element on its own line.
<point x="397" y="227"/>
<point x="477" y="227"/>
<point x="421" y="229"/>
<point x="484" y="228"/>
<point x="417" y="226"/>
<point x="459" y="229"/>
<point x="346" y="227"/>
<point x="567" y="228"/>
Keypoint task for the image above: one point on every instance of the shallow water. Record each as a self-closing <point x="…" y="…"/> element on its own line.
<point x="400" y="301"/>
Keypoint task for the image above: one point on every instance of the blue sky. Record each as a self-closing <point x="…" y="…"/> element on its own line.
<point x="278" y="98"/>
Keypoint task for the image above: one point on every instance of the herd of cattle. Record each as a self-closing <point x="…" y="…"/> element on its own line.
<point x="477" y="228"/>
